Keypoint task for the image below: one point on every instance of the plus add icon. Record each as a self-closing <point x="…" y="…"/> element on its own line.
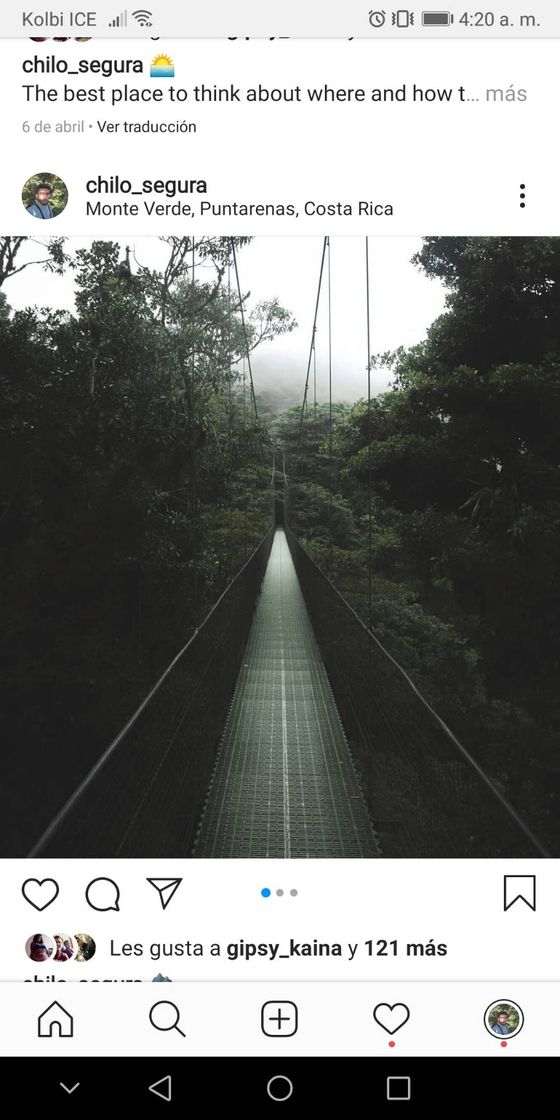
<point x="279" y="1019"/>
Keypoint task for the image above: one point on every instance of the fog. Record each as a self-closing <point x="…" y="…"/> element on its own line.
<point x="403" y="304"/>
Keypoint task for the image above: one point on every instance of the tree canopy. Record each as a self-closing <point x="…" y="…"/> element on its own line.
<point x="458" y="490"/>
<point x="134" y="484"/>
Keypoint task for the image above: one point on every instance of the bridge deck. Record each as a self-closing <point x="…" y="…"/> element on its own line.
<point x="284" y="783"/>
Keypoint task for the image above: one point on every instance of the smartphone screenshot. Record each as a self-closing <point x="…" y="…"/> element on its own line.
<point x="280" y="553"/>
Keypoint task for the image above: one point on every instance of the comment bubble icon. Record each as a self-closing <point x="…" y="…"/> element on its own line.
<point x="103" y="894"/>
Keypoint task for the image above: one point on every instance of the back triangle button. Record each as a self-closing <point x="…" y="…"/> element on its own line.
<point x="161" y="1088"/>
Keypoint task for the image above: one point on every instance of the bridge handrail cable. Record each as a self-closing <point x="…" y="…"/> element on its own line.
<point x="450" y="735"/>
<point x="104" y="758"/>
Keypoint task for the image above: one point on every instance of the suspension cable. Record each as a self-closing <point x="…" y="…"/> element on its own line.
<point x="314" y="382"/>
<point x="331" y="461"/>
<point x="450" y="735"/>
<point x="244" y="325"/>
<point x="229" y="347"/>
<point x="101" y="762"/>
<point x="228" y="519"/>
<point x="312" y="346"/>
<point x="369" y="465"/>
<point x="194" y="434"/>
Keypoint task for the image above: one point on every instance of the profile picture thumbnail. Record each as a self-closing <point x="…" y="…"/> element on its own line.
<point x="503" y="1019"/>
<point x="45" y="196"/>
<point x="40" y="947"/>
<point x="65" y="947"/>
<point x="85" y="947"/>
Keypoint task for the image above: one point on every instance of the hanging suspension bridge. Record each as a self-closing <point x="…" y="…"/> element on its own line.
<point x="285" y="729"/>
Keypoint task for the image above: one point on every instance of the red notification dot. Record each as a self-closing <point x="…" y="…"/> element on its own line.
<point x="391" y="1043"/>
<point x="503" y="1044"/>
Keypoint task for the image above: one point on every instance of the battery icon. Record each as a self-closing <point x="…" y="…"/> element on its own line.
<point x="437" y="19"/>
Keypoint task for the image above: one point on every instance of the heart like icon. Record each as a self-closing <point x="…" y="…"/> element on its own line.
<point x="391" y="1017"/>
<point x="40" y="892"/>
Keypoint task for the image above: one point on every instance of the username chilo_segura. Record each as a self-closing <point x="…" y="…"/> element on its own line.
<point x="168" y="187"/>
<point x="107" y="67"/>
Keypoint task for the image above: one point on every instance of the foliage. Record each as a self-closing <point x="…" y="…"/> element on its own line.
<point x="452" y="483"/>
<point x="50" y="253"/>
<point x="134" y="484"/>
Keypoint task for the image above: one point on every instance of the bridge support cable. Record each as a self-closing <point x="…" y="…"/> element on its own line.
<point x="426" y="793"/>
<point x="331" y="459"/>
<point x="314" y="382"/>
<point x="313" y="332"/>
<point x="369" y="436"/>
<point x="194" y="464"/>
<point x="244" y="325"/>
<point x="144" y="796"/>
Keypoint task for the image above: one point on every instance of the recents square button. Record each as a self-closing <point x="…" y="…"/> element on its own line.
<point x="398" y="1088"/>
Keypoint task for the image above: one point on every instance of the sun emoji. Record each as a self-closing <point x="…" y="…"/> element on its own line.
<point x="162" y="67"/>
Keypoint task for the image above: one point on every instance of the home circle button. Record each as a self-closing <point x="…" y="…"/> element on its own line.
<point x="280" y="1088"/>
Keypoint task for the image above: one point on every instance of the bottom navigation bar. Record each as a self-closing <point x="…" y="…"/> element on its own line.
<point x="280" y="1019"/>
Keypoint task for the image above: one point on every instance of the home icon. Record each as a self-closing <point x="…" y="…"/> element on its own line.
<point x="55" y="1021"/>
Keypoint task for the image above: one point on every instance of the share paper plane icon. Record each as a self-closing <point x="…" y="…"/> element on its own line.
<point x="166" y="889"/>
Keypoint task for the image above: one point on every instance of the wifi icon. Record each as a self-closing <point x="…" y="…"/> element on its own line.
<point x="143" y="17"/>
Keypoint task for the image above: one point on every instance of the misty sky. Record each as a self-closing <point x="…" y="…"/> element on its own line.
<point x="404" y="303"/>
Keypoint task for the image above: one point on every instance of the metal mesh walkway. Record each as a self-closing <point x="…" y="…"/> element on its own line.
<point x="284" y="783"/>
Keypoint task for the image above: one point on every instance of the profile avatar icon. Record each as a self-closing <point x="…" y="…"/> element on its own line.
<point x="45" y="196"/>
<point x="40" y="948"/>
<point x="503" y="1019"/>
<point x="85" y="947"/>
<point x="65" y="948"/>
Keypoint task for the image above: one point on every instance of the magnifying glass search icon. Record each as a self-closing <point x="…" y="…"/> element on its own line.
<point x="164" y="1016"/>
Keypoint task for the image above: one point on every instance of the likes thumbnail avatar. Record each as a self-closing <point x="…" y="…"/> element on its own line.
<point x="162" y="67"/>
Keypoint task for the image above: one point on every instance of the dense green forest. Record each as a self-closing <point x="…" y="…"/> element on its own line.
<point x="135" y="481"/>
<point x="447" y="490"/>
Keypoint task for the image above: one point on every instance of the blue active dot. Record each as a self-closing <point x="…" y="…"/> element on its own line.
<point x="266" y="892"/>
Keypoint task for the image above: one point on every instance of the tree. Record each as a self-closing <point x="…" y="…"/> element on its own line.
<point x="453" y="480"/>
<point x="133" y="488"/>
<point x="48" y="252"/>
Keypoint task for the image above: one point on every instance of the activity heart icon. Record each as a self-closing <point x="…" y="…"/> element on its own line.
<point x="391" y="1017"/>
<point x="40" y="892"/>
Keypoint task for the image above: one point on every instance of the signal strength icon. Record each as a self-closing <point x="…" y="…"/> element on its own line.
<point x="120" y="21"/>
<point x="143" y="17"/>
